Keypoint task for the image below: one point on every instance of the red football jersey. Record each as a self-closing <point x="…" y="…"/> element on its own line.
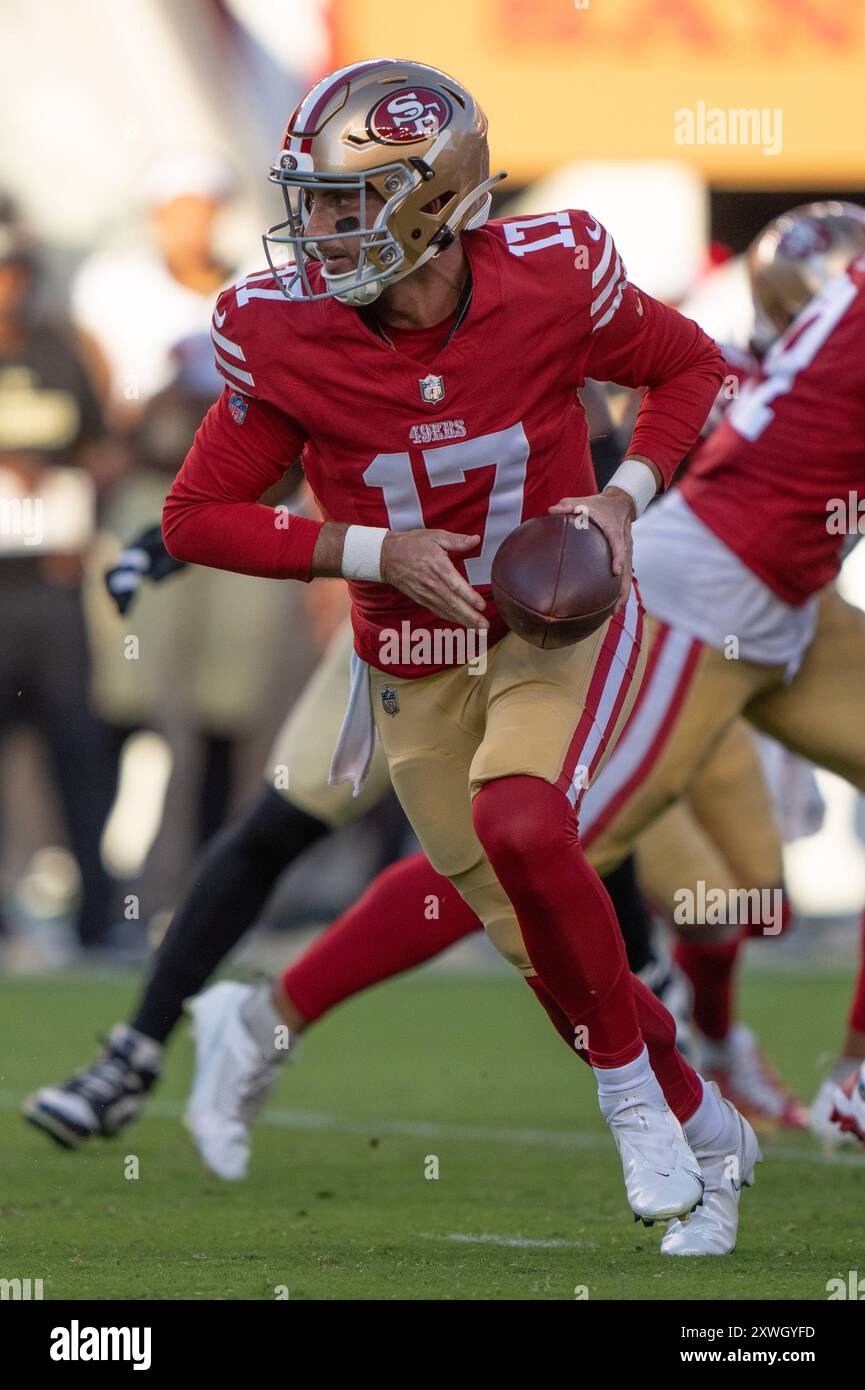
<point x="740" y="367"/>
<point x="784" y="462"/>
<point x="476" y="438"/>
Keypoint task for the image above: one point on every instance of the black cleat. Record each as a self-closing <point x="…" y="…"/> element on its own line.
<point x="104" y="1097"/>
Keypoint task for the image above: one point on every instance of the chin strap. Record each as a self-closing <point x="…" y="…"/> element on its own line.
<point x="358" y="295"/>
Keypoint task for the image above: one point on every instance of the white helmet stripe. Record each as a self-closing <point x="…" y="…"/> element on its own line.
<point x="316" y="100"/>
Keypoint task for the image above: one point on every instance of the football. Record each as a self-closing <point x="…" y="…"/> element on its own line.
<point x="553" y="580"/>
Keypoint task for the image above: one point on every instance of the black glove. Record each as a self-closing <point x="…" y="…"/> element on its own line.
<point x="145" y="557"/>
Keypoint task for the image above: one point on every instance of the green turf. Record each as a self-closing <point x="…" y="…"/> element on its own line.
<point x="337" y="1205"/>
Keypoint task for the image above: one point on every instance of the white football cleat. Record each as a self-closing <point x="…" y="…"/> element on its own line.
<point x="821" y="1124"/>
<point x="662" y="1176"/>
<point x="727" y="1167"/>
<point x="232" y="1079"/>
<point x="749" y="1081"/>
<point x="849" y="1111"/>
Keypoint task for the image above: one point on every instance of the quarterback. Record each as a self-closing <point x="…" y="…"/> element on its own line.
<point x="832" y="641"/>
<point x="423" y="361"/>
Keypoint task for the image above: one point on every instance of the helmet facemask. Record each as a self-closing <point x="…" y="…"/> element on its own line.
<point x="380" y="257"/>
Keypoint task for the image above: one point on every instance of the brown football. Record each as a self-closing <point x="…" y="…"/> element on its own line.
<point x="553" y="580"/>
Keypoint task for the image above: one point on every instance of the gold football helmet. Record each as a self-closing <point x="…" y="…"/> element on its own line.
<point x="408" y="131"/>
<point x="796" y="254"/>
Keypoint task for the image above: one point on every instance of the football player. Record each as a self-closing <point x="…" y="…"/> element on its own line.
<point x="788" y="264"/>
<point x="428" y="381"/>
<point x="826" y="619"/>
<point x="760" y="521"/>
<point x="725" y="835"/>
<point x="293" y="810"/>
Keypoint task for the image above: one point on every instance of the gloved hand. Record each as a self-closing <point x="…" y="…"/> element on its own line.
<point x="144" y="558"/>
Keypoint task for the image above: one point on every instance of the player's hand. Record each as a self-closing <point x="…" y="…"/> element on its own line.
<point x="417" y="563"/>
<point x="612" y="511"/>
<point x="145" y="557"/>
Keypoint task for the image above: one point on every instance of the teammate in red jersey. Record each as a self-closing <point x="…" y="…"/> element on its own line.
<point x="760" y="524"/>
<point x="760" y="521"/>
<point x="423" y="453"/>
<point x="730" y="802"/>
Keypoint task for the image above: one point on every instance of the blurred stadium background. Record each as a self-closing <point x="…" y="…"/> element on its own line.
<point x="137" y="137"/>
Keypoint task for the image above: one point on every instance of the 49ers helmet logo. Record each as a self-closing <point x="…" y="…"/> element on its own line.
<point x="805" y="238"/>
<point x="412" y="113"/>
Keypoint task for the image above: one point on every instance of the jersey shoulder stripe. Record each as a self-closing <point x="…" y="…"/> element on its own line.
<point x="241" y="328"/>
<point x="592" y="270"/>
<point x="227" y="351"/>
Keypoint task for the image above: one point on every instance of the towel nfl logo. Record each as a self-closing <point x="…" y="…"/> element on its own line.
<point x="238" y="408"/>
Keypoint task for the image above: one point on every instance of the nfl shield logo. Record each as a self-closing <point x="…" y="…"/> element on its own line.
<point x="432" y="389"/>
<point x="237" y="408"/>
<point x="390" y="700"/>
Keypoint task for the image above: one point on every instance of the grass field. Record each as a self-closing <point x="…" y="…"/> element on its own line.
<point x="337" y="1205"/>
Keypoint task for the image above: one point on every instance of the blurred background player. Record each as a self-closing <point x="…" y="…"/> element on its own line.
<point x="206" y="665"/>
<point x="55" y="463"/>
<point x="801" y="644"/>
<point x="788" y="263"/>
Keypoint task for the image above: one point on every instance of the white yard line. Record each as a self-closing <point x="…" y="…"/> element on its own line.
<point x="515" y="1242"/>
<point x="310" y="1121"/>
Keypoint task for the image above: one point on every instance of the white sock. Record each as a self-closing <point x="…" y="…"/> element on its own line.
<point x="266" y="1025"/>
<point x="708" y="1122"/>
<point x="633" y="1079"/>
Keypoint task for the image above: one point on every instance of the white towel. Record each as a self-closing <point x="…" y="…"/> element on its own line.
<point x="356" y="743"/>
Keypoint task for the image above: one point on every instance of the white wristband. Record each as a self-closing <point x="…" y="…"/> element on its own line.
<point x="637" y="480"/>
<point x="361" y="552"/>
